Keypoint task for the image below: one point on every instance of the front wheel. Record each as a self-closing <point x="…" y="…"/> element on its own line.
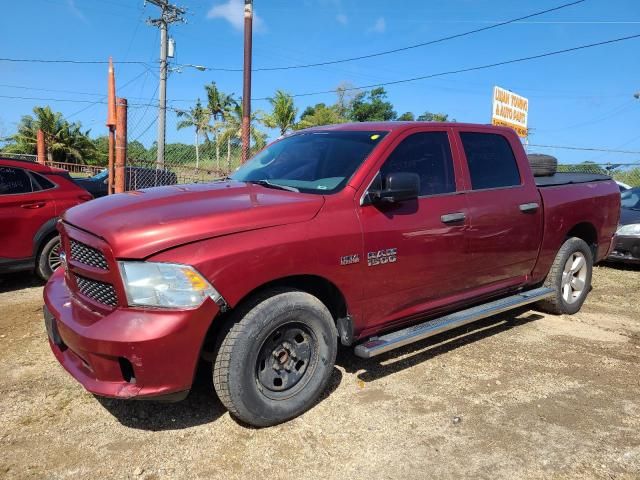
<point x="275" y="357"/>
<point x="569" y="277"/>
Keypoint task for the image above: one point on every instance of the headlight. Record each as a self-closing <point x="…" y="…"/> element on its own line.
<point x="632" y="229"/>
<point x="166" y="285"/>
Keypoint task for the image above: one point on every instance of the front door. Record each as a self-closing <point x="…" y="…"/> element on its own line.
<point x="416" y="250"/>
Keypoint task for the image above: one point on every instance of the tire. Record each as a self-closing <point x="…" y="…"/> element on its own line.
<point x="48" y="260"/>
<point x="275" y="357"/>
<point x="543" y="165"/>
<point x="564" y="276"/>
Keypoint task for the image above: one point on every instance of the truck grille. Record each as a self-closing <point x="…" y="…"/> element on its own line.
<point x="99" y="291"/>
<point x="88" y="255"/>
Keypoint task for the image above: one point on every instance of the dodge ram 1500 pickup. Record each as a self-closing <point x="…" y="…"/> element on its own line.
<point x="371" y="235"/>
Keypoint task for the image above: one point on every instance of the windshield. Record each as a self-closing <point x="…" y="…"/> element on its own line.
<point x="313" y="162"/>
<point x="101" y="175"/>
<point x="631" y="198"/>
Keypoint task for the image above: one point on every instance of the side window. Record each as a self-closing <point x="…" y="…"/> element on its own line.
<point x="429" y="155"/>
<point x="14" y="180"/>
<point x="491" y="161"/>
<point x="39" y="182"/>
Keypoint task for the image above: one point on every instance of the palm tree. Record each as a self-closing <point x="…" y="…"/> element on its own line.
<point x="232" y="132"/>
<point x="219" y="105"/>
<point x="283" y="115"/>
<point x="64" y="139"/>
<point x="198" y="118"/>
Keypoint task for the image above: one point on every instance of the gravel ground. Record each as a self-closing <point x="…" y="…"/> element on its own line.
<point x="519" y="395"/>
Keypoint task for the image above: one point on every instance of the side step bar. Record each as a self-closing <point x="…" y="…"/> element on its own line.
<point x="377" y="345"/>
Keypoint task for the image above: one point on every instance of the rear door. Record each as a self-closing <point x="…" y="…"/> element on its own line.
<point x="24" y="208"/>
<point x="504" y="209"/>
<point x="415" y="251"/>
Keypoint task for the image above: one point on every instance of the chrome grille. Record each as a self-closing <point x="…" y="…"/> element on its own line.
<point x="88" y="255"/>
<point x="99" y="291"/>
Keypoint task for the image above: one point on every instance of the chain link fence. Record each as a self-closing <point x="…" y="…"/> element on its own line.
<point x="191" y="155"/>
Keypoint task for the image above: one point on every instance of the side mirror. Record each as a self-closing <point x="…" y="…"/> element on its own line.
<point x="399" y="187"/>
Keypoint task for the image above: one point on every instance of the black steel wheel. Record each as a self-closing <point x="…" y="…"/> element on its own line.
<point x="274" y="357"/>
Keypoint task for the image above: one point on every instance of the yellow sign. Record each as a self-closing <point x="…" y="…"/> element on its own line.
<point x="510" y="110"/>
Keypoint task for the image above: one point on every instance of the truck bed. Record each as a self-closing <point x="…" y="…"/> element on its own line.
<point x="566" y="178"/>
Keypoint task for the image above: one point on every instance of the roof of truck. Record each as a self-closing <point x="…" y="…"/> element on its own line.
<point x="390" y="126"/>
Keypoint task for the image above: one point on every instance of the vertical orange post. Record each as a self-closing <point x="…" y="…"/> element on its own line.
<point x="41" y="148"/>
<point x="112" y="157"/>
<point x="121" y="144"/>
<point x="111" y="123"/>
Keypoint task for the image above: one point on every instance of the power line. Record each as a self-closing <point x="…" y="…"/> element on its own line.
<point x="79" y="62"/>
<point x="586" y="149"/>
<point x="179" y="11"/>
<point x="469" y="69"/>
<point x="402" y="49"/>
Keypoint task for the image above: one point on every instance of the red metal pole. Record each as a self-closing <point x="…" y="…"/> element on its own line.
<point x="41" y="148"/>
<point x="121" y="144"/>
<point x="246" y="87"/>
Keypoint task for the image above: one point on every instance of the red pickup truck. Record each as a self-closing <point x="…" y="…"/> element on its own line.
<point x="373" y="235"/>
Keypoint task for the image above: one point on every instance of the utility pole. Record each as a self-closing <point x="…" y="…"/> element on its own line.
<point x="246" y="84"/>
<point x="170" y="14"/>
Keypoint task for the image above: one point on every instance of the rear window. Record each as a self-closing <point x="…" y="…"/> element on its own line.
<point x="491" y="161"/>
<point x="14" y="180"/>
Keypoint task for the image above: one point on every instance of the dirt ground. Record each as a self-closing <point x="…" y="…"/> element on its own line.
<point x="520" y="395"/>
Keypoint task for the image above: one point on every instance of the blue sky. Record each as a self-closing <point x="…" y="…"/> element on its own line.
<point x="581" y="98"/>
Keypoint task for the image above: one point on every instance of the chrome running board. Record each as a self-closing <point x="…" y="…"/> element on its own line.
<point x="377" y="345"/>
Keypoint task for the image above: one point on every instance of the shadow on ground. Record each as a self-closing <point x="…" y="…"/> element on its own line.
<point x="375" y="368"/>
<point x="203" y="406"/>
<point x="10" y="282"/>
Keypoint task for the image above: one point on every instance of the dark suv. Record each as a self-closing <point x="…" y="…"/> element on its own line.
<point x="135" y="178"/>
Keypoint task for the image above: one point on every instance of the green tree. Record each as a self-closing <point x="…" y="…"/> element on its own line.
<point x="319" y="115"/>
<point x="283" y="112"/>
<point x="371" y="107"/>
<point x="232" y="132"/>
<point x="65" y="141"/>
<point x="407" y="117"/>
<point x="434" y="117"/>
<point x="198" y="118"/>
<point x="219" y="105"/>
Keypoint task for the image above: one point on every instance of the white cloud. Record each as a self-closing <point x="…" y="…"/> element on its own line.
<point x="380" y="26"/>
<point x="342" y="19"/>
<point x="76" y="11"/>
<point x="233" y="12"/>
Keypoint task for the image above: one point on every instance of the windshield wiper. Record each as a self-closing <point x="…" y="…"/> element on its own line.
<point x="268" y="184"/>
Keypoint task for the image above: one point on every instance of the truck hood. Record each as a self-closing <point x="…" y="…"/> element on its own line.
<point x="140" y="223"/>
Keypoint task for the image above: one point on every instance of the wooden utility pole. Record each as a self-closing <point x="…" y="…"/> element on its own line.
<point x="111" y="123"/>
<point x="246" y="85"/>
<point x="41" y="148"/>
<point x="121" y="144"/>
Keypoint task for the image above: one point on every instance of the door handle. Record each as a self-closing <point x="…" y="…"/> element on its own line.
<point x="33" y="205"/>
<point x="530" y="207"/>
<point x="453" y="217"/>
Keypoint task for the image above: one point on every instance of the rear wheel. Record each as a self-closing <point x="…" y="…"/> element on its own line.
<point x="275" y="357"/>
<point x="570" y="278"/>
<point x="48" y="258"/>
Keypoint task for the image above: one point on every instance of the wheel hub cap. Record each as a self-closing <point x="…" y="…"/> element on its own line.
<point x="574" y="276"/>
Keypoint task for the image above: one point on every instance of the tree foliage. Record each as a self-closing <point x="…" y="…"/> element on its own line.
<point x="66" y="142"/>
<point x="283" y="112"/>
<point x="371" y="107"/>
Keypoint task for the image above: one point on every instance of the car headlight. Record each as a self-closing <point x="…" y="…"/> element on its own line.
<point x="631" y="229"/>
<point x="167" y="285"/>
